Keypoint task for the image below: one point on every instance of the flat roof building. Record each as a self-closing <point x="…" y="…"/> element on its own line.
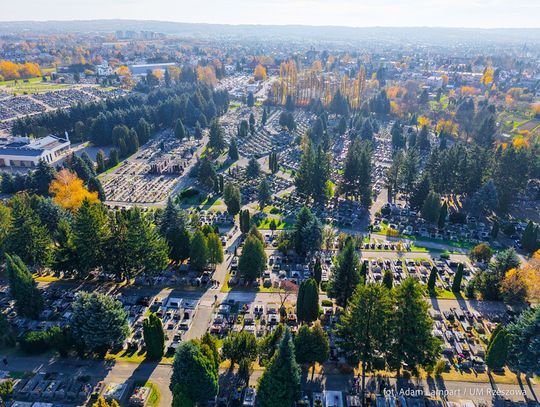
<point x="27" y="153"/>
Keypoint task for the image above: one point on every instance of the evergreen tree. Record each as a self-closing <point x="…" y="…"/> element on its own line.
<point x="207" y="175"/>
<point x="100" y="160"/>
<point x="529" y="238"/>
<point x="233" y="149"/>
<point x="388" y="279"/>
<point x="91" y="233"/>
<point x="431" y="207"/>
<point x="252" y="261"/>
<point x="144" y="130"/>
<point x="94" y="185"/>
<point x="364" y="327"/>
<point x="250" y="99"/>
<point x="216" y="141"/>
<point x="420" y="192"/>
<point x="245" y="221"/>
<point x="307" y="302"/>
<point x="456" y="283"/>
<point x="443" y="214"/>
<point x="195" y="376"/>
<point x="43" y="177"/>
<point x="317" y="271"/>
<point x="345" y="277"/>
<point x="114" y="158"/>
<point x="495" y="230"/>
<point x="173" y="226"/>
<point x="65" y="255"/>
<point x="497" y="351"/>
<point x="253" y="169"/>
<point x="99" y="322"/>
<point x="524" y="348"/>
<point x="232" y="198"/>
<point x="432" y="279"/>
<point x="179" y="130"/>
<point x="264" y="117"/>
<point x="154" y="337"/>
<point x="198" y="251"/>
<point x="280" y="383"/>
<point x="28" y="237"/>
<point x="413" y="344"/>
<point x="263" y="193"/>
<point x="22" y="288"/>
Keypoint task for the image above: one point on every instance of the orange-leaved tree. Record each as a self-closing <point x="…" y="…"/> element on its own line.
<point x="69" y="192"/>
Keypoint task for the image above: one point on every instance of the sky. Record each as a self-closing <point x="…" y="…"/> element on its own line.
<point x="355" y="13"/>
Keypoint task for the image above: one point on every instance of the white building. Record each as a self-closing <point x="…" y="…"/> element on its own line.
<point x="27" y="153"/>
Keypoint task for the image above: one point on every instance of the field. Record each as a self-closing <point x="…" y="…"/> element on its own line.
<point x="29" y="86"/>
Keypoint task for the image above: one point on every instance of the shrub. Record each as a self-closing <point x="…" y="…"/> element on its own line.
<point x="324" y="286"/>
<point x="35" y="342"/>
<point x="439" y="367"/>
<point x="327" y="303"/>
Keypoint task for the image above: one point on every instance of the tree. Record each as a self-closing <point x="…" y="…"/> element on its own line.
<point x="154" y="337"/>
<point x="173" y="226"/>
<point x="280" y="383"/>
<point x="94" y="186"/>
<point x="307" y="232"/>
<point x="232" y="198"/>
<point x="481" y="252"/>
<point x="114" y="158"/>
<point x="431" y="207"/>
<point x="388" y="279"/>
<point x="443" y="214"/>
<point x="101" y="402"/>
<point x="497" y="351"/>
<point x="420" y="192"/>
<point x="456" y="283"/>
<point x="317" y="271"/>
<point x="364" y="327"/>
<point x="250" y="99"/>
<point x="253" y="169"/>
<point x="179" y="130"/>
<point x="311" y="345"/>
<point x="240" y="346"/>
<point x="345" y="277"/>
<point x="28" y="237"/>
<point x="91" y="234"/>
<point x="215" y="249"/>
<point x="198" y="255"/>
<point x="529" y="238"/>
<point x="263" y="193"/>
<point x="307" y="303"/>
<point x="264" y="117"/>
<point x="194" y="376"/>
<point x="99" y="322"/>
<point x="514" y="287"/>
<point x="252" y="261"/>
<point x="215" y="140"/>
<point x="233" y="149"/>
<point x="43" y="176"/>
<point x="505" y="260"/>
<point x="69" y="192"/>
<point x="22" y="288"/>
<point x="432" y="279"/>
<point x="207" y="174"/>
<point x="413" y="343"/>
<point x="142" y="249"/>
<point x="524" y="348"/>
<point x="65" y="254"/>
<point x="245" y="221"/>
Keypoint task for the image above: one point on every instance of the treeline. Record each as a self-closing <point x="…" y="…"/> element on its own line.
<point x="161" y="108"/>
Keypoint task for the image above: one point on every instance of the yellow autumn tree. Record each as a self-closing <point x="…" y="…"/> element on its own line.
<point x="260" y="73"/>
<point x="487" y="78"/>
<point x="69" y="192"/>
<point x="122" y="70"/>
<point x="536" y="109"/>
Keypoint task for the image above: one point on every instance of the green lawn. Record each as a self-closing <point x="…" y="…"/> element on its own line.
<point x="32" y="85"/>
<point x="155" y="395"/>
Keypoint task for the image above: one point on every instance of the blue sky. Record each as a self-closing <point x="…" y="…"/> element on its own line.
<point x="358" y="13"/>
